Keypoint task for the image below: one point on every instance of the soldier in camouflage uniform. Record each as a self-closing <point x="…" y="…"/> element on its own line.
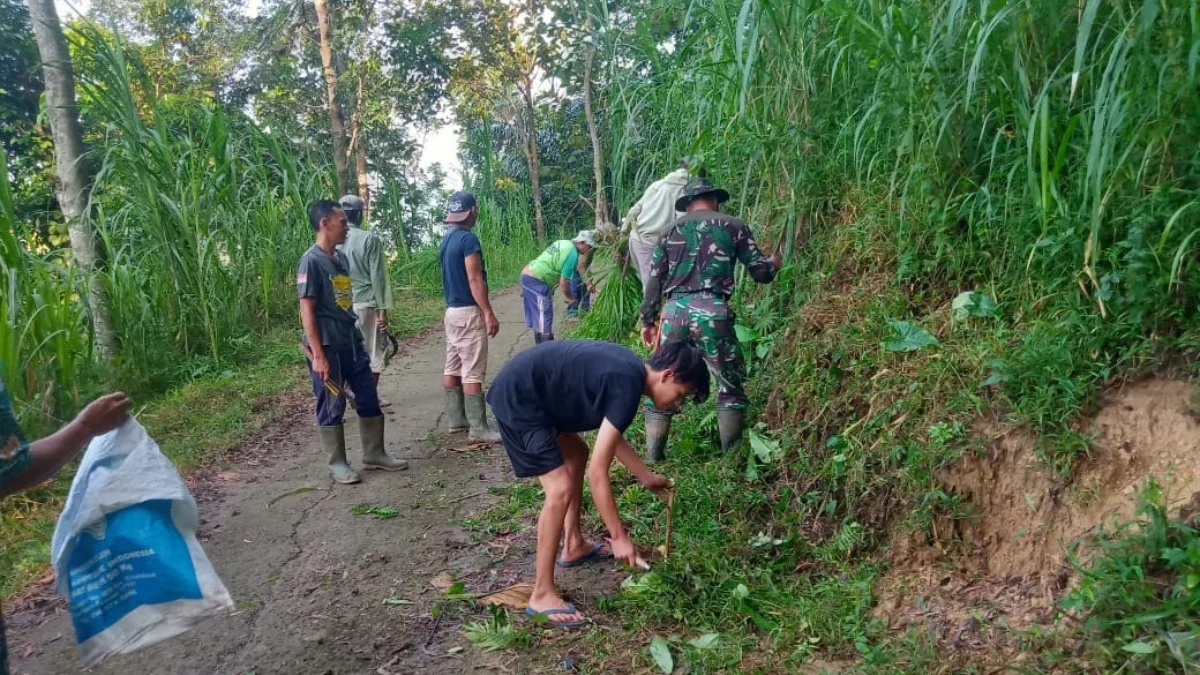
<point x="691" y="280"/>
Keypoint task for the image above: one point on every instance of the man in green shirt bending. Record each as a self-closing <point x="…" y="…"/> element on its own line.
<point x="554" y="267"/>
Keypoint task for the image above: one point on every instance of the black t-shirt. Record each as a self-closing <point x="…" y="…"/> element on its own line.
<point x="326" y="278"/>
<point x="456" y="245"/>
<point x="569" y="385"/>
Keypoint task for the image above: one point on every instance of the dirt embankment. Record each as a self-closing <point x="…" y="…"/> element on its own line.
<point x="1007" y="563"/>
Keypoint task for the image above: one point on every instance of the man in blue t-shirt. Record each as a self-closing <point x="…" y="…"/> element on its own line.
<point x="543" y="399"/>
<point x="469" y="320"/>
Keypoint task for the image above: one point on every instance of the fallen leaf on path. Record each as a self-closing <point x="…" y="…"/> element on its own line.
<point x="227" y="475"/>
<point x="515" y="596"/>
<point x="662" y="655"/>
<point x="396" y="601"/>
<point x="291" y="493"/>
<point x="442" y="580"/>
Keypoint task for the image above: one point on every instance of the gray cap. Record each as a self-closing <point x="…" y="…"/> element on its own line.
<point x="586" y="237"/>
<point x="351" y="203"/>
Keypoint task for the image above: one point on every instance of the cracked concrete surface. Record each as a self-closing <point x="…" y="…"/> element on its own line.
<point x="309" y="578"/>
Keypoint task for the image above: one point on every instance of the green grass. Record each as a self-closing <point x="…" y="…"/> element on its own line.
<point x="194" y="424"/>
<point x="498" y="632"/>
<point x="1140" y="593"/>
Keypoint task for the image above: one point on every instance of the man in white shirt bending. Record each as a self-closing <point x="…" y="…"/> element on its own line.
<point x="653" y="214"/>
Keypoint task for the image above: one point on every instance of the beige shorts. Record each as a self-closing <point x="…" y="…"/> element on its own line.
<point x="368" y="323"/>
<point x="466" y="344"/>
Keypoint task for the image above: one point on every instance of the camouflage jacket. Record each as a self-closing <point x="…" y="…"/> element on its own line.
<point x="698" y="254"/>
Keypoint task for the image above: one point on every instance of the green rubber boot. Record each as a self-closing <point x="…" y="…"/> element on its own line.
<point x="658" y="427"/>
<point x="334" y="441"/>
<point x="370" y="431"/>
<point x="729" y="425"/>
<point x="456" y="416"/>
<point x="480" y="432"/>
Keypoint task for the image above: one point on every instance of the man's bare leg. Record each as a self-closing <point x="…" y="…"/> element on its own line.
<point x="558" y="487"/>
<point x="575" y="454"/>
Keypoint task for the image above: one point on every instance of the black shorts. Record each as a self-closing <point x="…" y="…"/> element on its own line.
<point x="533" y="452"/>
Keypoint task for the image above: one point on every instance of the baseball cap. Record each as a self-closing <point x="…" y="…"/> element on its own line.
<point x="351" y="203"/>
<point x="459" y="206"/>
<point x="586" y="237"/>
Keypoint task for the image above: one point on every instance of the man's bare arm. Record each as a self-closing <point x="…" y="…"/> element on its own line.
<point x="312" y="331"/>
<point x="479" y="291"/>
<point x="565" y="284"/>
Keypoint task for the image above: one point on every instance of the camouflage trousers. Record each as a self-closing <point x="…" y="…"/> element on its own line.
<point x="707" y="320"/>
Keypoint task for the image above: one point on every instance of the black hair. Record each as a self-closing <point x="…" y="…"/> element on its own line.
<point x="353" y="215"/>
<point x="319" y="210"/>
<point x="687" y="362"/>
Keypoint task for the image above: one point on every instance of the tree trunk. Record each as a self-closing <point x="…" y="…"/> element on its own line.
<point x="71" y="187"/>
<point x="336" y="122"/>
<point x="531" y="155"/>
<point x="360" y="151"/>
<point x="597" y="151"/>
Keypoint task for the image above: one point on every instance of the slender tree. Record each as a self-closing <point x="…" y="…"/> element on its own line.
<point x="589" y="61"/>
<point x="336" y="121"/>
<point x="72" y="186"/>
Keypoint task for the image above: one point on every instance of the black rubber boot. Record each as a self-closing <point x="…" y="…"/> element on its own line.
<point x="658" y="427"/>
<point x="456" y="416"/>
<point x="334" y="440"/>
<point x="539" y="338"/>
<point x="729" y="425"/>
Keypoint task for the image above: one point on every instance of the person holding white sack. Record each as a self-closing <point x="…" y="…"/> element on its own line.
<point x="125" y="552"/>
<point x="25" y="465"/>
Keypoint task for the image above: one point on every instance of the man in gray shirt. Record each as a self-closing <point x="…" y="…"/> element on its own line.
<point x="337" y="358"/>
<point x="371" y="291"/>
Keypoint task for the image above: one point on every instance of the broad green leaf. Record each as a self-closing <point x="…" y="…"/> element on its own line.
<point x="706" y="641"/>
<point x="910" y="337"/>
<point x="764" y="447"/>
<point x="662" y="655"/>
<point x="751" y="470"/>
<point x="1140" y="647"/>
<point x="972" y="304"/>
<point x="744" y="333"/>
<point x="994" y="379"/>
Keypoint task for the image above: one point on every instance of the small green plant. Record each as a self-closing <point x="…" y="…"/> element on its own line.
<point x="498" y="633"/>
<point x="1141" y="592"/>
<point x="376" y="511"/>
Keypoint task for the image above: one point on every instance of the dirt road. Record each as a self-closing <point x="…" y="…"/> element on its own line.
<point x="309" y="577"/>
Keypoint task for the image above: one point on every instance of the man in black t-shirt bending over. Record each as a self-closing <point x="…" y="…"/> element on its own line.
<point x="543" y="399"/>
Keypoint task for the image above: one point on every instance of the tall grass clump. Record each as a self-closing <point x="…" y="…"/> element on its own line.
<point x="202" y="220"/>
<point x="42" y="336"/>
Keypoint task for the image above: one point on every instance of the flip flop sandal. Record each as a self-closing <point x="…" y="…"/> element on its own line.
<point x="547" y="613"/>
<point x="593" y="556"/>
